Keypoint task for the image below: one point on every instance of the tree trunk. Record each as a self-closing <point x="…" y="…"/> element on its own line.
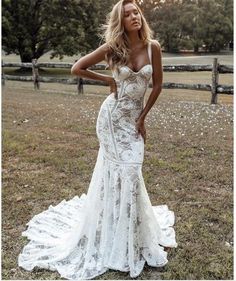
<point x="196" y="47"/>
<point x="25" y="57"/>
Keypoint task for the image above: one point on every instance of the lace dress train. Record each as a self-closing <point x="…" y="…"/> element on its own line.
<point x="114" y="225"/>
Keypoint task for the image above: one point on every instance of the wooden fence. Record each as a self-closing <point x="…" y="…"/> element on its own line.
<point x="214" y="87"/>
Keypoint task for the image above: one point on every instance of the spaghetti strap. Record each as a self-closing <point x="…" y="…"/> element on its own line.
<point x="150" y="51"/>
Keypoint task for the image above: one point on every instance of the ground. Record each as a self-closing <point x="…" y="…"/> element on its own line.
<point x="50" y="149"/>
<point x="49" y="152"/>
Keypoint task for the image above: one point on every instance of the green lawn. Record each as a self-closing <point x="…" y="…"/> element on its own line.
<point x="188" y="166"/>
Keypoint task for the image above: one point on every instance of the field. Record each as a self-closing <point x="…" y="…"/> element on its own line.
<point x="49" y="152"/>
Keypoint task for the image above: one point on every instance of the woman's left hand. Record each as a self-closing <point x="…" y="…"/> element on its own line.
<point x="140" y="127"/>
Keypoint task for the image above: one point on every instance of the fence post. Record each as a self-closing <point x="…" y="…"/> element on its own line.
<point x="80" y="85"/>
<point x="35" y="73"/>
<point x="215" y="80"/>
<point x="3" y="76"/>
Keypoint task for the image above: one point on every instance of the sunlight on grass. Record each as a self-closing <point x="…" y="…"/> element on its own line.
<point x="49" y="152"/>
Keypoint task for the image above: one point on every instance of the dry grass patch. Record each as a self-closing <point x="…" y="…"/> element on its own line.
<point x="50" y="149"/>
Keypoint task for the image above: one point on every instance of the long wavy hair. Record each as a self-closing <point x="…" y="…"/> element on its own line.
<point x="115" y="35"/>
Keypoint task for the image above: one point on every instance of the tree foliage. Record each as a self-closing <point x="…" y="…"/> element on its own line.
<point x="30" y="28"/>
<point x="190" y="23"/>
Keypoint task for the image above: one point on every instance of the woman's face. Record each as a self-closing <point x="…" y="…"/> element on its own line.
<point x="132" y="18"/>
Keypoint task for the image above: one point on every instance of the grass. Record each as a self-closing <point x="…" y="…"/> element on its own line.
<point x="188" y="166"/>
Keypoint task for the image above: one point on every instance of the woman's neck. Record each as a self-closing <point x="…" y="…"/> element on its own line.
<point x="134" y="39"/>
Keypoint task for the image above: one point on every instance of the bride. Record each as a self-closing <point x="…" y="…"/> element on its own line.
<point x="114" y="225"/>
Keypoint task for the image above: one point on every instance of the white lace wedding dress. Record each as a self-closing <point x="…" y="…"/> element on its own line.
<point x="114" y="225"/>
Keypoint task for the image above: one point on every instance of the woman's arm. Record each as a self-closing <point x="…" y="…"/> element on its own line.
<point x="157" y="79"/>
<point x="98" y="55"/>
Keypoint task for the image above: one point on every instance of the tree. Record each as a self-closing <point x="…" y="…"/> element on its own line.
<point x="216" y="23"/>
<point x="148" y="8"/>
<point x="104" y="7"/>
<point x="191" y="27"/>
<point x="166" y="24"/>
<point x="191" y="23"/>
<point x="227" y="11"/>
<point x="31" y="28"/>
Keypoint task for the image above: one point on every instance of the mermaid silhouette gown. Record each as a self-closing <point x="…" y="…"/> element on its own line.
<point x="114" y="225"/>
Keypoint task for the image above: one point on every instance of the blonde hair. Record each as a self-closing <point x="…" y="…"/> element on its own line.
<point x="116" y="37"/>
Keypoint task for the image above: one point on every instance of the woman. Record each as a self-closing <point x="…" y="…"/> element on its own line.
<point x="114" y="226"/>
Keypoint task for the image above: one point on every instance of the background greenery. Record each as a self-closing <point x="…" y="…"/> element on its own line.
<point x="32" y="28"/>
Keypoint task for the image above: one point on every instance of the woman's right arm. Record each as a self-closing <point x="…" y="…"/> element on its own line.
<point x="98" y="55"/>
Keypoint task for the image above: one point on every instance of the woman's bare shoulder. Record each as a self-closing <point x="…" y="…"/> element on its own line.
<point x="155" y="45"/>
<point x="105" y="48"/>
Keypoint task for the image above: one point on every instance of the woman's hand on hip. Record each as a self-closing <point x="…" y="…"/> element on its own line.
<point x="113" y="87"/>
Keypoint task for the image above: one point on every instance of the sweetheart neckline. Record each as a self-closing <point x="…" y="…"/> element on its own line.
<point x="136" y="72"/>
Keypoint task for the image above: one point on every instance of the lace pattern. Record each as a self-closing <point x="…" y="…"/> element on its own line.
<point x="114" y="225"/>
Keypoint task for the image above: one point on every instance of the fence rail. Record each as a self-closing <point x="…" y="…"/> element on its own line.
<point x="222" y="68"/>
<point x="214" y="87"/>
